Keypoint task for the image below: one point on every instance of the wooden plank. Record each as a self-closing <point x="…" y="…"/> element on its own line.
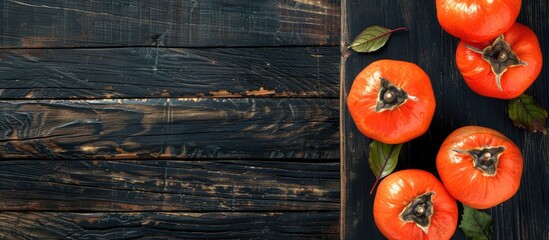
<point x="127" y="225"/>
<point x="176" y="72"/>
<point x="427" y="45"/>
<point x="197" y="186"/>
<point x="186" y="128"/>
<point x="188" y="23"/>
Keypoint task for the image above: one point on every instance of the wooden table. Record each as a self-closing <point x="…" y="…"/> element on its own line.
<point x="523" y="217"/>
<point x="169" y="119"/>
<point x="221" y="119"/>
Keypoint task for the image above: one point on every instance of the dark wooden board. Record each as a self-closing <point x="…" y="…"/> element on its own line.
<point x="244" y="94"/>
<point x="196" y="186"/>
<point x="185" y="23"/>
<point x="525" y="216"/>
<point x="161" y="225"/>
<point x="163" y="72"/>
<point x="184" y="128"/>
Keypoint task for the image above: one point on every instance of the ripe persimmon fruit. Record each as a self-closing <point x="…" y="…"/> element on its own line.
<point x="392" y="101"/>
<point x="503" y="68"/>
<point x="479" y="166"/>
<point x="477" y="20"/>
<point x="413" y="204"/>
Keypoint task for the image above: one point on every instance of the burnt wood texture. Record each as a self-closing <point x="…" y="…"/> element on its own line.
<point x="169" y="119"/>
<point x="186" y="23"/>
<point x="226" y="128"/>
<point x="195" y="186"/>
<point x="173" y="225"/>
<point x="522" y="217"/>
<point x="163" y="72"/>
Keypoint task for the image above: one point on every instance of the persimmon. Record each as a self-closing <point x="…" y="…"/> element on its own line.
<point x="413" y="204"/>
<point x="477" y="20"/>
<point x="479" y="166"/>
<point x="392" y="101"/>
<point x="503" y="68"/>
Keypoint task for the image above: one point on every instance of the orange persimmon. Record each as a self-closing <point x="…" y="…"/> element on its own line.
<point x="479" y="166"/>
<point x="413" y="204"/>
<point x="392" y="101"/>
<point x="477" y="20"/>
<point x="504" y="68"/>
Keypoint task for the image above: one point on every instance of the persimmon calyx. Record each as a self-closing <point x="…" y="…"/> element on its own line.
<point x="500" y="56"/>
<point x="419" y="211"/>
<point x="486" y="159"/>
<point x="389" y="96"/>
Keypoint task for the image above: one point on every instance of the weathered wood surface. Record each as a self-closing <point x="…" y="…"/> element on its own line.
<point x="186" y="23"/>
<point x="169" y="119"/>
<point x="197" y="186"/>
<point x="179" y="225"/>
<point x="163" y="72"/>
<point x="525" y="216"/>
<point x="197" y="128"/>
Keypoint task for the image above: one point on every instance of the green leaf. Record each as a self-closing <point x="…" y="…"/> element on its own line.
<point x="383" y="159"/>
<point x="475" y="224"/>
<point x="526" y="113"/>
<point x="372" y="38"/>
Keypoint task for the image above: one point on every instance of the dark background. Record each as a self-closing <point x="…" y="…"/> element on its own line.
<point x="190" y="119"/>
<point x="525" y="216"/>
<point x="220" y="119"/>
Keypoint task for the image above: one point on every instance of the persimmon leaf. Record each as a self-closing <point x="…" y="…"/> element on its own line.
<point x="372" y="38"/>
<point x="383" y="159"/>
<point x="526" y="113"/>
<point x="475" y="224"/>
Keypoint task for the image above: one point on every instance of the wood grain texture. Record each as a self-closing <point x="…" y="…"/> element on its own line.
<point x="186" y="128"/>
<point x="426" y="44"/>
<point x="242" y="93"/>
<point x="186" y="23"/>
<point x="180" y="225"/>
<point x="196" y="186"/>
<point x="163" y="72"/>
